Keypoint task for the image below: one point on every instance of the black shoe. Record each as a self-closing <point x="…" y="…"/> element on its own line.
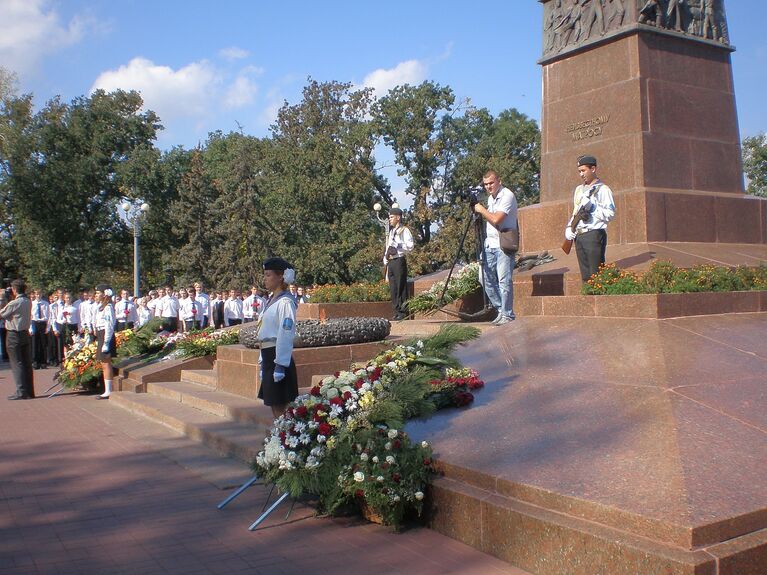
<point x="35" y="366"/>
<point x="102" y="397"/>
<point x="15" y="397"/>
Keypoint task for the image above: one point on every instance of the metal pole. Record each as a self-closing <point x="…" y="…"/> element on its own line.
<point x="136" y="235"/>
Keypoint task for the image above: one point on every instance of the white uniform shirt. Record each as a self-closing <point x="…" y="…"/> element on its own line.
<point x="68" y="314"/>
<point x="121" y="307"/>
<point x="251" y="306"/>
<point x="401" y="239"/>
<point x="105" y="319"/>
<point x="602" y="206"/>
<point x="189" y="309"/>
<point x="87" y="310"/>
<point x="232" y="310"/>
<point x="40" y="310"/>
<point x="168" y="307"/>
<point x="204" y="301"/>
<point x="278" y="326"/>
<point x="505" y="202"/>
<point x="143" y="315"/>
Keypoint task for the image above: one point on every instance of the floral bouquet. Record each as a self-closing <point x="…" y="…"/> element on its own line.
<point x="455" y="390"/>
<point x="464" y="283"/>
<point x="352" y="417"/>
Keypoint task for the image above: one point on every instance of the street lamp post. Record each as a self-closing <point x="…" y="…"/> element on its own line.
<point x="134" y="211"/>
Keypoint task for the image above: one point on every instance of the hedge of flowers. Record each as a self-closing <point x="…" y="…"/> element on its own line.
<point x="197" y="343"/>
<point x="664" y="277"/>
<point x="358" y="292"/>
<point x="463" y="283"/>
<point x="80" y="367"/>
<point x="343" y="440"/>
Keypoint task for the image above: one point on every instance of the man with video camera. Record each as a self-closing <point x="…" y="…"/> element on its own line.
<point x="498" y="265"/>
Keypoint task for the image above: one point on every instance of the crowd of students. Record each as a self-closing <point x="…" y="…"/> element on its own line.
<point x="58" y="316"/>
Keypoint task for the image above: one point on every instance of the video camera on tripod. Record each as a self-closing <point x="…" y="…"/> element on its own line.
<point x="470" y="195"/>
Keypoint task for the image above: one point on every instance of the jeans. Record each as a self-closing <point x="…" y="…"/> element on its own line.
<point x="498" y="269"/>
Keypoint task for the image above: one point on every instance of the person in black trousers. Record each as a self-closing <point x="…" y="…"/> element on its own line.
<point x="18" y="315"/>
<point x="399" y="243"/>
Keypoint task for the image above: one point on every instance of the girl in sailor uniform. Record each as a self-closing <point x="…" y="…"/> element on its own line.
<point x="104" y="324"/>
<point x="276" y="329"/>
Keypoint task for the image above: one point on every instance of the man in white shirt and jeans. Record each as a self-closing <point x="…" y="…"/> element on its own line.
<point x="497" y="267"/>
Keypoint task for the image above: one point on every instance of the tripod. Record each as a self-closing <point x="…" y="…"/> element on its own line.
<point x="487" y="312"/>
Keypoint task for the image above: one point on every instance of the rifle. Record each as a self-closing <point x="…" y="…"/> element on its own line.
<point x="581" y="215"/>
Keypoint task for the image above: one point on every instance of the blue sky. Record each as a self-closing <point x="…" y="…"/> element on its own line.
<point x="205" y="66"/>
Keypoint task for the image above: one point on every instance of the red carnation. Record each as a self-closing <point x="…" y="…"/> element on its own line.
<point x="336" y="374"/>
<point x="426" y="461"/>
<point x="315" y="391"/>
<point x="289" y="412"/>
<point x="319" y="407"/>
<point x="347" y="395"/>
<point x="396" y="444"/>
<point x="396" y="477"/>
<point x="325" y="429"/>
<point x="359" y="493"/>
<point x="302" y="411"/>
<point x="357" y="385"/>
<point x="337" y="401"/>
<point x="384" y="465"/>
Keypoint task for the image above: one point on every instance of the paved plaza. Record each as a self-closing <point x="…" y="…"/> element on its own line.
<point x="86" y="487"/>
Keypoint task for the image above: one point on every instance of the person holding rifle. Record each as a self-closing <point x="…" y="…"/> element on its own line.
<point x="593" y="208"/>
<point x="399" y="243"/>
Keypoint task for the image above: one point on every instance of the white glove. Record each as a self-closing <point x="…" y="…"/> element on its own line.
<point x="385" y="261"/>
<point x="585" y="201"/>
<point x="279" y="373"/>
<point x="105" y="348"/>
<point x="569" y="234"/>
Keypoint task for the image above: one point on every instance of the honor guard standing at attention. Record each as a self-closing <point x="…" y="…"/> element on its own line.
<point x="399" y="243"/>
<point x="276" y="330"/>
<point x="593" y="208"/>
<point x="17" y="315"/>
<point x="104" y="326"/>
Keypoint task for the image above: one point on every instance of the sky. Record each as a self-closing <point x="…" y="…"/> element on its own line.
<point x="229" y="65"/>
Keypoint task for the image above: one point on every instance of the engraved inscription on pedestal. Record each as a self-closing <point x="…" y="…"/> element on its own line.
<point x="571" y="24"/>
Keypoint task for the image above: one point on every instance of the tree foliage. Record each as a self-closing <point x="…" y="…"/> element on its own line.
<point x="755" y="164"/>
<point x="305" y="192"/>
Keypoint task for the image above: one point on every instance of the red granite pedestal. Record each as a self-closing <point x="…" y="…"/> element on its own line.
<point x="617" y="446"/>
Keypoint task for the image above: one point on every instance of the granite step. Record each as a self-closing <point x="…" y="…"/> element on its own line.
<point x="173" y="405"/>
<point x="543" y="540"/>
<point x="201" y="376"/>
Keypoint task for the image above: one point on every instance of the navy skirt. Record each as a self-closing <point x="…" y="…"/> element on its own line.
<point x="100" y="355"/>
<point x="281" y="392"/>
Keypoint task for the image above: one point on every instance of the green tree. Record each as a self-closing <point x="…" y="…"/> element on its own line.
<point x="62" y="187"/>
<point x="755" y="164"/>
<point x="408" y="119"/>
<point x="321" y="184"/>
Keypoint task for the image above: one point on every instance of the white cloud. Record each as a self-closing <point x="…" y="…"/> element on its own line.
<point x="233" y="53"/>
<point x="382" y="80"/>
<point x="187" y="91"/>
<point x="241" y="93"/>
<point x="29" y="30"/>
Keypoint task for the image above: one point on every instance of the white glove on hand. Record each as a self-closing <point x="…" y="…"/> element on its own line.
<point x="569" y="234"/>
<point x="585" y="201"/>
<point x="279" y="373"/>
<point x="105" y="348"/>
<point x="385" y="261"/>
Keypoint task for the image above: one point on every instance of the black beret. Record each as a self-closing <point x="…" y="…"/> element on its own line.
<point x="587" y="161"/>
<point x="276" y="265"/>
<point x="395" y="212"/>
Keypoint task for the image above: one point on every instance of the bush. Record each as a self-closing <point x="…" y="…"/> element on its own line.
<point x="359" y="292"/>
<point x="664" y="277"/>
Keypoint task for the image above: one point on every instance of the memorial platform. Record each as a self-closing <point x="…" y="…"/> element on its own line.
<point x="611" y="446"/>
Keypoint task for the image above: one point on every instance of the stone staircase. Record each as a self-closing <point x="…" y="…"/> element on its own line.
<point x="229" y="424"/>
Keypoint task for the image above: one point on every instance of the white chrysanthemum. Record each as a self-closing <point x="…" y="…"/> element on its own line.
<point x="419" y="495"/>
<point x="387" y="446"/>
<point x="313" y="424"/>
<point x="392" y="433"/>
<point x="380" y="478"/>
<point x="331" y="393"/>
<point x="390" y="459"/>
<point x="391" y="365"/>
<point x="424" y="444"/>
<point x="395" y="499"/>
<point x="350" y="405"/>
<point x="359" y="477"/>
<point x="419" y="343"/>
<point x="375" y="459"/>
<point x="299" y="426"/>
<point x="364" y="456"/>
<point x="321" y="438"/>
<point x="336" y="410"/>
<point x="292" y="441"/>
<point x="304" y="438"/>
<point x="365" y="387"/>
